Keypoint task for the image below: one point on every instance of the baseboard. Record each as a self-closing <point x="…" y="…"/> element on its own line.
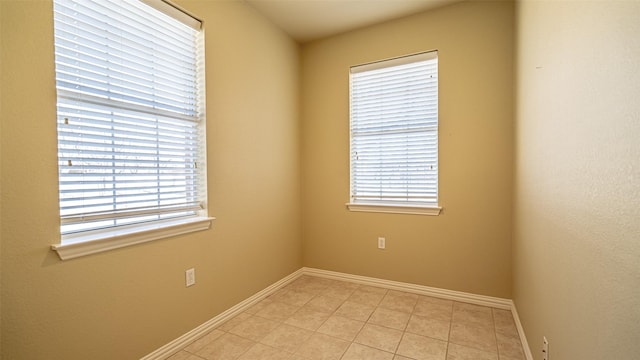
<point x="184" y="340"/>
<point x="523" y="337"/>
<point x="483" y="300"/>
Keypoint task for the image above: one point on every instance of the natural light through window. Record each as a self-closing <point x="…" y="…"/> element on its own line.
<point x="394" y="135"/>
<point x="130" y="87"/>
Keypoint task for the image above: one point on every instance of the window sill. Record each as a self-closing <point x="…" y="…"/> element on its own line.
<point x="395" y="209"/>
<point x="82" y="245"/>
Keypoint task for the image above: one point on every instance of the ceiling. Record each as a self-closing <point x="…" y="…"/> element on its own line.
<point x="307" y="20"/>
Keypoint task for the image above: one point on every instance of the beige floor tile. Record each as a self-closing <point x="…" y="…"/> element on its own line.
<point x="231" y="323"/>
<point x="254" y="328"/>
<point x="510" y="358"/>
<point x="390" y="318"/>
<point x="355" y="311"/>
<point x="399" y="357"/>
<point x="277" y="311"/>
<point x="324" y="304"/>
<point x="509" y="347"/>
<point x="264" y="352"/>
<point x="422" y="348"/>
<point x="459" y="352"/>
<point x="258" y="306"/>
<point x="434" y="310"/>
<point x="310" y="284"/>
<point x="399" y="301"/>
<point x="306" y="318"/>
<point x="367" y="295"/>
<point x="361" y="352"/>
<point x="341" y="327"/>
<point x="476" y="337"/>
<point x="183" y="355"/>
<point x="379" y="337"/>
<point x="429" y="327"/>
<point x="226" y="347"/>
<point x="340" y="291"/>
<point x="203" y="340"/>
<point x="322" y="347"/>
<point x="435" y="301"/>
<point x="286" y="337"/>
<point x="293" y="297"/>
<point x="504" y="323"/>
<point x="472" y="314"/>
<point x="373" y="289"/>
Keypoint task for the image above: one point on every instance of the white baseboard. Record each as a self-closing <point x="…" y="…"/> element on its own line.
<point x="523" y="337"/>
<point x="184" y="340"/>
<point x="413" y="288"/>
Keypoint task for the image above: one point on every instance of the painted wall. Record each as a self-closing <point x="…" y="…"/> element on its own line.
<point x="577" y="183"/>
<point x="467" y="247"/>
<point x="126" y="303"/>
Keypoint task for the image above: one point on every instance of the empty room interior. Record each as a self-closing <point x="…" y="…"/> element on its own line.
<point x="538" y="183"/>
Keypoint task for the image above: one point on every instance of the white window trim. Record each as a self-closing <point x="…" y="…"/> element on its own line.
<point x="395" y="209"/>
<point x="84" y="244"/>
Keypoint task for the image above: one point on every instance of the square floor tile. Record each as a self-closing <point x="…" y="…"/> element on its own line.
<point x="324" y="304"/>
<point x="434" y="310"/>
<point x="509" y="347"/>
<point x="231" y="323"/>
<point x="379" y="337"/>
<point x="476" y="337"/>
<point x="254" y="328"/>
<point x="361" y="352"/>
<point x="296" y="297"/>
<point x="341" y="327"/>
<point x="286" y="337"/>
<point x="472" y="314"/>
<point x="399" y="301"/>
<point x="204" y="340"/>
<point x="258" y="306"/>
<point x="183" y="355"/>
<point x="459" y="352"/>
<point x="422" y="348"/>
<point x="366" y="296"/>
<point x="429" y="327"/>
<point x="322" y="347"/>
<point x="389" y="318"/>
<point x="306" y="318"/>
<point x="355" y="311"/>
<point x="277" y="311"/>
<point x="264" y="352"/>
<point x="226" y="347"/>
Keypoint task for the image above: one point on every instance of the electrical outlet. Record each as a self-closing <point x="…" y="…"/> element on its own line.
<point x="190" y="276"/>
<point x="381" y="243"/>
<point x="545" y="348"/>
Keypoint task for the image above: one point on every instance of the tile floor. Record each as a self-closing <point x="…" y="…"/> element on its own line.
<point x="314" y="318"/>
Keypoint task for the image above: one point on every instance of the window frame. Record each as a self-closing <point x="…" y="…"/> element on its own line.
<point x="93" y="241"/>
<point x="381" y="206"/>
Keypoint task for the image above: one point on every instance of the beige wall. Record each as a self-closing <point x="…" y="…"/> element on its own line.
<point x="467" y="247"/>
<point x="577" y="198"/>
<point x="126" y="303"/>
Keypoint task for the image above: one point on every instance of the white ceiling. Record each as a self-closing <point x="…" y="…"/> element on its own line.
<point x="306" y="20"/>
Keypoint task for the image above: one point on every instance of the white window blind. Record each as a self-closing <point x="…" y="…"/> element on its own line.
<point x="394" y="132"/>
<point x="130" y="88"/>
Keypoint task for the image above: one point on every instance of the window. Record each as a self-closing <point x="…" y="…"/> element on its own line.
<point x="394" y="135"/>
<point x="130" y="114"/>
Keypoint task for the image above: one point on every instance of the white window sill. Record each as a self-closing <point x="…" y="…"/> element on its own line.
<point x="87" y="244"/>
<point x="395" y="209"/>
